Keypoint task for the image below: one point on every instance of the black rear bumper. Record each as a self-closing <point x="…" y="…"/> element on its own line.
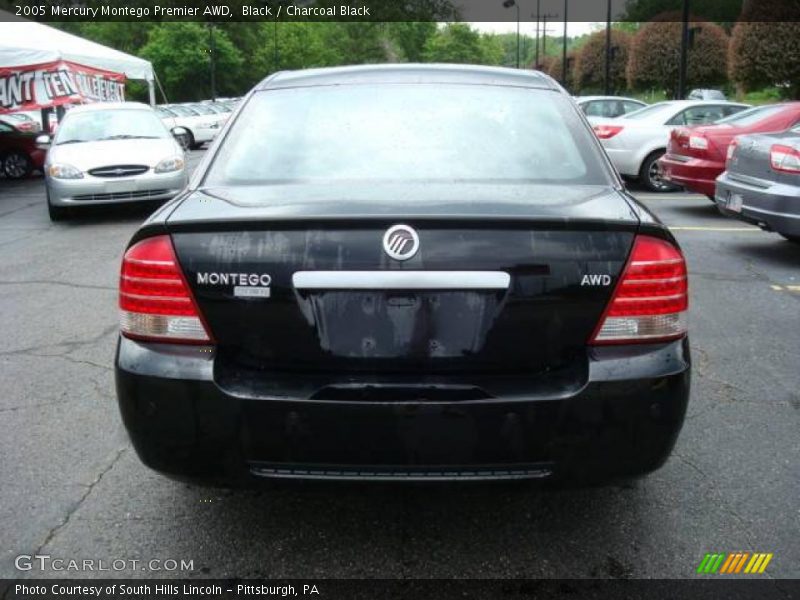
<point x="622" y="422"/>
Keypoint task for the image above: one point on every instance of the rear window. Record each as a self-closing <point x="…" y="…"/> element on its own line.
<point x="751" y="116"/>
<point x="401" y="132"/>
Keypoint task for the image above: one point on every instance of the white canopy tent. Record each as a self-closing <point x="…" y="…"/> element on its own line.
<point x="24" y="42"/>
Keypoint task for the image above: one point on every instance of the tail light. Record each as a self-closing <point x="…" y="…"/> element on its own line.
<point x="698" y="142"/>
<point x="605" y="132"/>
<point x="784" y="158"/>
<point x="154" y="299"/>
<point x="651" y="301"/>
<point x="731" y="149"/>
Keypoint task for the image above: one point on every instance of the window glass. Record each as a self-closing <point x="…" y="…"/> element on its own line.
<point x="407" y="133"/>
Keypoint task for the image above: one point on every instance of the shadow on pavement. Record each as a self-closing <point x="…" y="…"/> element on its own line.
<point x="771" y="249"/>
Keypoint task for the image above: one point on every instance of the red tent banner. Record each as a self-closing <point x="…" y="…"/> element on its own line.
<point x="31" y="87"/>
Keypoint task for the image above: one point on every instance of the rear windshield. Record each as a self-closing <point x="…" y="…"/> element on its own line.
<point x="407" y="133"/>
<point x="751" y="116"/>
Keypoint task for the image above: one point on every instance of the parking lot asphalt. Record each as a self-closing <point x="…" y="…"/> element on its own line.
<point x="72" y="487"/>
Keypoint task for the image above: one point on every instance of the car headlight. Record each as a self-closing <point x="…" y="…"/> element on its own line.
<point x="64" y="171"/>
<point x="168" y="165"/>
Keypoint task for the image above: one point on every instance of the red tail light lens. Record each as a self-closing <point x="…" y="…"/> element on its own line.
<point x="605" y="132"/>
<point x="154" y="299"/>
<point x="784" y="158"/>
<point x="651" y="301"/>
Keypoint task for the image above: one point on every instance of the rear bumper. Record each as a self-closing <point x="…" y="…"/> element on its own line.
<point x="623" y="422"/>
<point x="695" y="174"/>
<point x="770" y="205"/>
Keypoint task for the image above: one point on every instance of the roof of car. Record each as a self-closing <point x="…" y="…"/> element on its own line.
<point x="409" y="73"/>
<point x="590" y="98"/>
<point x="108" y="106"/>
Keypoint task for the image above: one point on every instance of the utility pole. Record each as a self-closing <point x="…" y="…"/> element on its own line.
<point x="608" y="49"/>
<point x="538" y="16"/>
<point x="564" y="48"/>
<point x="684" y="52"/>
<point x="212" y="61"/>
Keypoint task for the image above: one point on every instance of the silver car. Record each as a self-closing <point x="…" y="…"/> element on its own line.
<point x="110" y="153"/>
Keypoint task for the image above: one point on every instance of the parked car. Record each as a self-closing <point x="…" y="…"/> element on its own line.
<point x="201" y="128"/>
<point x="696" y="155"/>
<point x="636" y="141"/>
<point x="608" y="107"/>
<point x="762" y="182"/>
<point x="108" y="153"/>
<point x="383" y="295"/>
<point x="19" y="154"/>
<point x="21" y="122"/>
<point x="701" y="94"/>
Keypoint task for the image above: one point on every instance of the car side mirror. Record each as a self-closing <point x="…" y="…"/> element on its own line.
<point x="182" y="135"/>
<point x="43" y="141"/>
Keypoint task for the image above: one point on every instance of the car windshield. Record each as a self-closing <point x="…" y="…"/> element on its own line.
<point x="647" y="111"/>
<point x="184" y="111"/>
<point x="202" y="110"/>
<point x="751" y="116"/>
<point x="407" y="133"/>
<point x="112" y="124"/>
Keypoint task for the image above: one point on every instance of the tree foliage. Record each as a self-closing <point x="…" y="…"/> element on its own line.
<point x="180" y="53"/>
<point x="766" y="54"/>
<point x="555" y="69"/>
<point x="655" y="53"/>
<point x="590" y="63"/>
<point x="460" y="43"/>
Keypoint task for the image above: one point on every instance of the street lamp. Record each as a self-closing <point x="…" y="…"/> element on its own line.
<point x="212" y="61"/>
<point x="509" y="4"/>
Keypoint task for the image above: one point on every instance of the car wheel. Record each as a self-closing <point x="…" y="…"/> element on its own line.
<point x="791" y="238"/>
<point x="650" y="174"/>
<point x="57" y="213"/>
<point x="17" y="165"/>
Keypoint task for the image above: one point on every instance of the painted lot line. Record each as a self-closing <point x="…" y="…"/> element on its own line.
<point x="701" y="228"/>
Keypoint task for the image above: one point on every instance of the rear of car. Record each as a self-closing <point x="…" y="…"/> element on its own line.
<point x="434" y="285"/>
<point x="762" y="182"/>
<point x="637" y="141"/>
<point x="696" y="155"/>
<point x="110" y="154"/>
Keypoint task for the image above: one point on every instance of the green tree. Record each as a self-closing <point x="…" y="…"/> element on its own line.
<point x="456" y="43"/>
<point x="180" y="53"/>
<point x="655" y="55"/>
<point x="411" y="38"/>
<point x="767" y="54"/>
<point x="590" y="63"/>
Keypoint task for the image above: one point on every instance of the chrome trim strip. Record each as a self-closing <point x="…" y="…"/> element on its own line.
<point x="401" y="280"/>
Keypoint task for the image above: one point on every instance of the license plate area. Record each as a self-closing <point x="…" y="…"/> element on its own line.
<point x="121" y="186"/>
<point x="402" y="324"/>
<point x="732" y="201"/>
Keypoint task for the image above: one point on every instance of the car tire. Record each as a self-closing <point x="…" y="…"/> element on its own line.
<point x="57" y="213"/>
<point x="791" y="238"/>
<point x="648" y="174"/>
<point x="16" y="164"/>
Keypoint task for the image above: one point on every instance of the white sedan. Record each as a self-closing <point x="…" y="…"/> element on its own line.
<point x="202" y="128"/>
<point x="634" y="142"/>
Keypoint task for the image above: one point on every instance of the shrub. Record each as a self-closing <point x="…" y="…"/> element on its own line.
<point x="590" y="63"/>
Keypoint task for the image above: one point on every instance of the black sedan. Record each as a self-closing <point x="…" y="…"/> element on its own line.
<point x="761" y="184"/>
<point x="424" y="273"/>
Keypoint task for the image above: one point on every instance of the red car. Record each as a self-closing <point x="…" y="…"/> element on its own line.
<point x="19" y="154"/>
<point x="695" y="156"/>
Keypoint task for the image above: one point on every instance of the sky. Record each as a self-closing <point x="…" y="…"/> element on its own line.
<point x="529" y="28"/>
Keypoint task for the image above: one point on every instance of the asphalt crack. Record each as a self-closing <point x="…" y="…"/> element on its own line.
<point x="79" y="286"/>
<point x="65" y="521"/>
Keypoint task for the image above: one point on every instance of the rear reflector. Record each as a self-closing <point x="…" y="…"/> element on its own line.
<point x="605" y="132"/>
<point x="651" y="300"/>
<point x="784" y="158"/>
<point x="731" y="149"/>
<point x="154" y="300"/>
